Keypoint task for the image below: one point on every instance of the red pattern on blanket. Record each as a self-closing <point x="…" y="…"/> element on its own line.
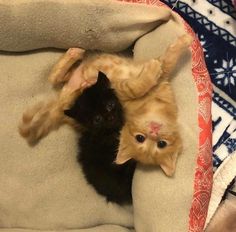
<point x="204" y="170"/>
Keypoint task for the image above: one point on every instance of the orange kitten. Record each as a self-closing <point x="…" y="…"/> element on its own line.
<point x="150" y="134"/>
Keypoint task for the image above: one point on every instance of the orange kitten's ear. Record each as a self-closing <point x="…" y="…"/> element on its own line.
<point x="123" y="154"/>
<point x="121" y="157"/>
<point x="169" y="164"/>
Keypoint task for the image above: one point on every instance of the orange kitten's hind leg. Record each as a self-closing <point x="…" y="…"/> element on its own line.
<point x="60" y="70"/>
<point x="173" y="53"/>
<point x="40" y="120"/>
<point x="33" y="125"/>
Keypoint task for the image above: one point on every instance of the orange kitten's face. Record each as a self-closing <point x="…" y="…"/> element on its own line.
<point x="152" y="138"/>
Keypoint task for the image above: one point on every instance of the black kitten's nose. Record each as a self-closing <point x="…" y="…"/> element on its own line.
<point x="110" y="106"/>
<point x="111" y="118"/>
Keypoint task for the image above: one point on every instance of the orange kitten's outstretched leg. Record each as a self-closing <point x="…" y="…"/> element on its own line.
<point x="60" y="70"/>
<point x="39" y="120"/>
<point x="173" y="53"/>
<point x="138" y="86"/>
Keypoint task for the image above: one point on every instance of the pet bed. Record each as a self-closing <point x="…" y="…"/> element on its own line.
<point x="42" y="187"/>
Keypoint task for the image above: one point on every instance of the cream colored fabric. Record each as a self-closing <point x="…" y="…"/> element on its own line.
<point x="43" y="187"/>
<point x="104" y="228"/>
<point x="92" y="24"/>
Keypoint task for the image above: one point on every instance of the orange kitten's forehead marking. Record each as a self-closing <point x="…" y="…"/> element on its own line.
<point x="154" y="128"/>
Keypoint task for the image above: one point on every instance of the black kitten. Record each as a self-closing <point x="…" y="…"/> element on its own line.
<point x="100" y="113"/>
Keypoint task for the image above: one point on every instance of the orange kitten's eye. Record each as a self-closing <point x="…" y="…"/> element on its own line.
<point x="140" y="138"/>
<point x="161" y="144"/>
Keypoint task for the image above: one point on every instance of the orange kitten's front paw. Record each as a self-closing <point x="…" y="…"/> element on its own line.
<point x="36" y="123"/>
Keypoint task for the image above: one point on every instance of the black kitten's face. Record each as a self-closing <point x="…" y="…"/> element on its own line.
<point x="98" y="107"/>
<point x="101" y="111"/>
<point x="106" y="113"/>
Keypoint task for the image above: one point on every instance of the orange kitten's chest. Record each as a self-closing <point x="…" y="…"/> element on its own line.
<point x="143" y="104"/>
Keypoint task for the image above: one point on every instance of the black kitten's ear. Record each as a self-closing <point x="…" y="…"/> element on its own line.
<point x="70" y="113"/>
<point x="102" y="80"/>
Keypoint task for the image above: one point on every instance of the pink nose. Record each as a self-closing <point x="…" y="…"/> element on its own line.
<point x="154" y="128"/>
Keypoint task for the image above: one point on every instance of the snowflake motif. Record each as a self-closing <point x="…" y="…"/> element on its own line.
<point x="203" y="44"/>
<point x="226" y="74"/>
<point x="207" y="47"/>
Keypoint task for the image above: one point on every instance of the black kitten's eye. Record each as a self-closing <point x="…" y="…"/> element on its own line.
<point x="140" y="138"/>
<point x="97" y="119"/>
<point x="161" y="144"/>
<point x="110" y="106"/>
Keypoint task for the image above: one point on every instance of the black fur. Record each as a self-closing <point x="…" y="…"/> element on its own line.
<point x="99" y="111"/>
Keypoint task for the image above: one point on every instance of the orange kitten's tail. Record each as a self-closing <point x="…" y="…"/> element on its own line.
<point x="173" y="53"/>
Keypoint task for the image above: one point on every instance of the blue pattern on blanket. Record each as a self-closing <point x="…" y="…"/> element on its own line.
<point x="225" y="6"/>
<point x="214" y="21"/>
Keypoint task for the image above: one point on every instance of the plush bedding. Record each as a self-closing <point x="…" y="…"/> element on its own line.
<point x="42" y="187"/>
<point x="214" y="21"/>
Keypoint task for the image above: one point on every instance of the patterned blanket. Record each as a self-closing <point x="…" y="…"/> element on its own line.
<point x="214" y="21"/>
